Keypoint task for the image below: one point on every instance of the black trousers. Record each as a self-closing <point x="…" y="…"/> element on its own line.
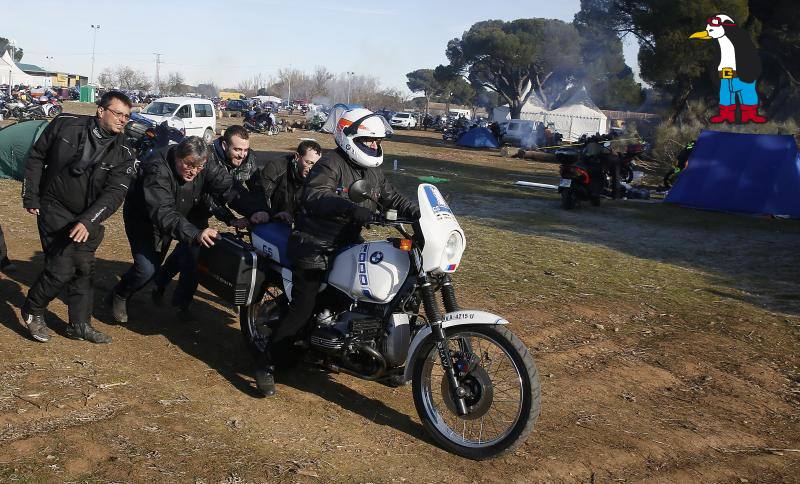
<point x="182" y="260"/>
<point x="3" y="248"/>
<point x="305" y="286"/>
<point x="66" y="265"/>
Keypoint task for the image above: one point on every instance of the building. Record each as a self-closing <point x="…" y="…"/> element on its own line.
<point x="32" y="75"/>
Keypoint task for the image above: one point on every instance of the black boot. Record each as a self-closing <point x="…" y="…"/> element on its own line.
<point x="85" y="331"/>
<point x="118" y="306"/>
<point x="265" y="380"/>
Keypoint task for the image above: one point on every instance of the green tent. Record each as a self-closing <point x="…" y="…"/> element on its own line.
<point x="15" y="143"/>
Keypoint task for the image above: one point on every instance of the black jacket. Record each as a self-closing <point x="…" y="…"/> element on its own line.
<point x="246" y="182"/>
<point x="160" y="200"/>
<point x="283" y="186"/>
<point x="49" y="183"/>
<point x="324" y="223"/>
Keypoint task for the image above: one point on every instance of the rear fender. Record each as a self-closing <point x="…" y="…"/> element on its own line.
<point x="457" y="318"/>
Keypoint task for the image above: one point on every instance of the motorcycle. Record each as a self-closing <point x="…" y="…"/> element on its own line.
<point x="50" y="107"/>
<point x="474" y="383"/>
<point x="145" y="136"/>
<point x="586" y="173"/>
<point x="682" y="162"/>
<point x="25" y="111"/>
<point x="260" y="123"/>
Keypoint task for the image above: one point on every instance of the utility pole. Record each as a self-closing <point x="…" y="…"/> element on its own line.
<point x="349" y="78"/>
<point x="94" y="43"/>
<point x="48" y="60"/>
<point x="158" y="62"/>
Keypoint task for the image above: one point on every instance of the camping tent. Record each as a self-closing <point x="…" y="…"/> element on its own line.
<point x="336" y="113"/>
<point x="10" y="73"/>
<point x="532" y="110"/>
<point x="478" y="138"/>
<point x="744" y="173"/>
<point x="577" y="116"/>
<point x="15" y="142"/>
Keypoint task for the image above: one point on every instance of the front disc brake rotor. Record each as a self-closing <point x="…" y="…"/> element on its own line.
<point x="480" y="393"/>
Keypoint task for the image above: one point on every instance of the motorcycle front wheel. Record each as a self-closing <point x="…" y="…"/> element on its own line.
<point x="503" y="392"/>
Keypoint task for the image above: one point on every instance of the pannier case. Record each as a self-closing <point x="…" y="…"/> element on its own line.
<point x="229" y="269"/>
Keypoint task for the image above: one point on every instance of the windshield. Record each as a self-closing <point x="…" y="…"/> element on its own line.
<point x="158" y="108"/>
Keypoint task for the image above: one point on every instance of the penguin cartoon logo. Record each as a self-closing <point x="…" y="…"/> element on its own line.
<point x="738" y="69"/>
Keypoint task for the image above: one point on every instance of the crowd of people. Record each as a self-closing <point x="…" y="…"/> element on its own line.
<point x="81" y="171"/>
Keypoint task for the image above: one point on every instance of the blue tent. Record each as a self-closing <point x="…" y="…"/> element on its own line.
<point x="744" y="173"/>
<point x="478" y="138"/>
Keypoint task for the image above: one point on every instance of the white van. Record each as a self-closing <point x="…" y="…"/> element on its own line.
<point x="198" y="115"/>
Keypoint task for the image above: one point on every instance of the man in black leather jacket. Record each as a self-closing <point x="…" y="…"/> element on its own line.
<point x="328" y="221"/>
<point x="171" y="183"/>
<point x="76" y="176"/>
<point x="232" y="153"/>
<point x="283" y="180"/>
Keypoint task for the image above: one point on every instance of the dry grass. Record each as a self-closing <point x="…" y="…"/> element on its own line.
<point x="666" y="340"/>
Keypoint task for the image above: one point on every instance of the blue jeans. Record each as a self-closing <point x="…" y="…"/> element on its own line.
<point x="146" y="263"/>
<point x="729" y="88"/>
<point x="183" y="261"/>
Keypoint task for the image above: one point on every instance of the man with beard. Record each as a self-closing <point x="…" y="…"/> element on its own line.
<point x="76" y="176"/>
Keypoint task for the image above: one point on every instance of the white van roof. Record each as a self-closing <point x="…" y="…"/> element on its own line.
<point x="182" y="99"/>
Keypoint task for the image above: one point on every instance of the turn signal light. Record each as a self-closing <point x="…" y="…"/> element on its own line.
<point x="405" y="245"/>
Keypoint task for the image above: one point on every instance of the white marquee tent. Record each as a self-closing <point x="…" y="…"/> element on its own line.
<point x="11" y="74"/>
<point x="577" y="116"/>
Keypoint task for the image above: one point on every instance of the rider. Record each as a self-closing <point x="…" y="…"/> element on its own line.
<point x="328" y="220"/>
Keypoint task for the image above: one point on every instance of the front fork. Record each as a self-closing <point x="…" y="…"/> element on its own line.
<point x="442" y="344"/>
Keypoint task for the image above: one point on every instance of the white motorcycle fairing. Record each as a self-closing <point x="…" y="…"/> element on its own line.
<point x="457" y="318"/>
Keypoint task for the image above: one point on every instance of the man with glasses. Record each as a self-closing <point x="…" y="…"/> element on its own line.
<point x="232" y="152"/>
<point x="171" y="183"/>
<point x="76" y="176"/>
<point x="283" y="179"/>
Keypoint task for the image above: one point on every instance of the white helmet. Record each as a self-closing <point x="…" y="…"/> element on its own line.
<point x="361" y="123"/>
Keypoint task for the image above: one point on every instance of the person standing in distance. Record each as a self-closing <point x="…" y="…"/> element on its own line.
<point x="76" y="176"/>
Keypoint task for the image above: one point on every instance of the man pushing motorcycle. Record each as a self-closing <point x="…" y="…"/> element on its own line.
<point x="328" y="220"/>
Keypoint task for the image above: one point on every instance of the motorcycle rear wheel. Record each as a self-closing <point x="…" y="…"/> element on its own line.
<point x="253" y="320"/>
<point x="569" y="199"/>
<point x="503" y="405"/>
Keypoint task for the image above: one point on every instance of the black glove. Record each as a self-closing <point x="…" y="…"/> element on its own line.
<point x="361" y="215"/>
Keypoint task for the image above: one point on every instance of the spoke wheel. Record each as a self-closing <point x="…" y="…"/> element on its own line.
<point x="502" y="391"/>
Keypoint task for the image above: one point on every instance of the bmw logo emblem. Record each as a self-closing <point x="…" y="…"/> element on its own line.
<point x="376" y="257"/>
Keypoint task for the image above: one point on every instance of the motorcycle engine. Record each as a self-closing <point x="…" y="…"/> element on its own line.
<point x="349" y="330"/>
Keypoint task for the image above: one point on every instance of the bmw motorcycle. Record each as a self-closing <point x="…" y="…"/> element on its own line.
<point x="475" y="385"/>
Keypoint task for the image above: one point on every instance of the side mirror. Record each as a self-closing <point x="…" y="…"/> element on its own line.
<point x="359" y="191"/>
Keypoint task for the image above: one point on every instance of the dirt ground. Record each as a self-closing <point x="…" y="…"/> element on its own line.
<point x="666" y="340"/>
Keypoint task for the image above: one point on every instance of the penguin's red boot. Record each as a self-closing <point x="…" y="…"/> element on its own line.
<point x="727" y="114"/>
<point x="750" y="114"/>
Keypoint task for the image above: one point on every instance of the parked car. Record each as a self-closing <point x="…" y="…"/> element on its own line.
<point x="238" y="105"/>
<point x="198" y="115"/>
<point x="404" y="120"/>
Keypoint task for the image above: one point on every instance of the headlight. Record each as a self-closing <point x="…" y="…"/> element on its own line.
<point x="453" y="245"/>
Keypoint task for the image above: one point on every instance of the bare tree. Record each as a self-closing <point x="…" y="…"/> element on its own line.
<point x="208" y="89"/>
<point x="319" y="82"/>
<point x="127" y="78"/>
<point x="106" y="78"/>
<point x="173" y="85"/>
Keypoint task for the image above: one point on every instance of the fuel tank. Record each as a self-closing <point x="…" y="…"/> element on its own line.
<point x="372" y="272"/>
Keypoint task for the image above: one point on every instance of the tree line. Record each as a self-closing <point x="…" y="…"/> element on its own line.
<point x="548" y="58"/>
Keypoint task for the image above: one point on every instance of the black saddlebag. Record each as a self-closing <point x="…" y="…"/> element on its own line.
<point x="229" y="269"/>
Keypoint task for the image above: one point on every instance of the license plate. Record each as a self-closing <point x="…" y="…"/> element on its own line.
<point x="565" y="183"/>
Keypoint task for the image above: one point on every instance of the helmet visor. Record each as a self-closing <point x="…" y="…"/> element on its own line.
<point x="370" y="126"/>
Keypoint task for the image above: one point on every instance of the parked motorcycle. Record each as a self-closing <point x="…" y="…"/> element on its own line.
<point x="682" y="161"/>
<point x="260" y="123"/>
<point x="586" y="174"/>
<point x="145" y="136"/>
<point x="474" y="383"/>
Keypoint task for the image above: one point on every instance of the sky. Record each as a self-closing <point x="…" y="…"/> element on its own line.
<point x="226" y="42"/>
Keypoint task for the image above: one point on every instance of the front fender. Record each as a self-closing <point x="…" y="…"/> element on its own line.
<point x="457" y="318"/>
